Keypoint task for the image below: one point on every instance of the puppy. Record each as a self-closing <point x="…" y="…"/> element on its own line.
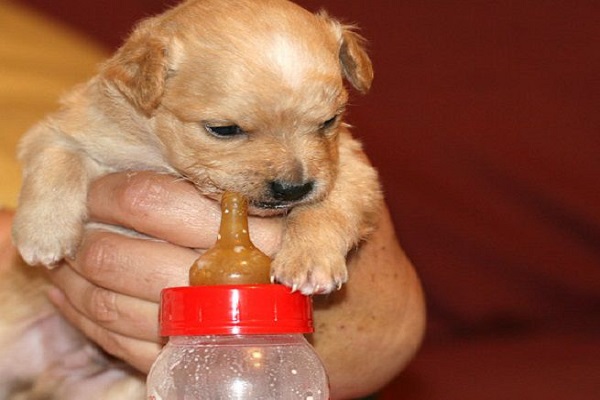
<point x="239" y="95"/>
<point x="245" y="96"/>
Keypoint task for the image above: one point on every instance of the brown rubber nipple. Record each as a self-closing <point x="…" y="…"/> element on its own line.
<point x="233" y="259"/>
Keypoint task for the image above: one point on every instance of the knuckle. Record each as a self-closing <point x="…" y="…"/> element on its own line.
<point x="114" y="344"/>
<point x="140" y="195"/>
<point x="101" y="305"/>
<point x="97" y="254"/>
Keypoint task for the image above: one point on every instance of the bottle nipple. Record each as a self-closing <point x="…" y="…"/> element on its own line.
<point x="233" y="260"/>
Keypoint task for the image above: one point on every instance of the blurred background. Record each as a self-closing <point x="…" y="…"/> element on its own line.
<point x="484" y="122"/>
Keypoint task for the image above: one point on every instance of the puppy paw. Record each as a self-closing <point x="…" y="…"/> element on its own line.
<point x="46" y="240"/>
<point x="310" y="271"/>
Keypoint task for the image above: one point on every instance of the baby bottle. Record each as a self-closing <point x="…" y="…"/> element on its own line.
<point x="232" y="334"/>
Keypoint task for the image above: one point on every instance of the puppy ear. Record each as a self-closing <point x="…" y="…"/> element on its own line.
<point x="356" y="64"/>
<point x="354" y="60"/>
<point x="139" y="70"/>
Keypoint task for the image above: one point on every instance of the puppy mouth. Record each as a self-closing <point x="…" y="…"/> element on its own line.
<point x="263" y="205"/>
<point x="267" y="208"/>
<point x="262" y="208"/>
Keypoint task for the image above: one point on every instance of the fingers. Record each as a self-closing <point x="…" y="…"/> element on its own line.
<point x="168" y="208"/>
<point x="115" y="312"/>
<point x="138" y="353"/>
<point x="135" y="267"/>
<point x="111" y="291"/>
<point x="157" y="205"/>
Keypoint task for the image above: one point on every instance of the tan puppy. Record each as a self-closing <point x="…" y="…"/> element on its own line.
<point x="233" y="95"/>
<point x="239" y="95"/>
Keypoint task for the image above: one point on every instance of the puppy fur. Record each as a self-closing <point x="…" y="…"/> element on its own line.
<point x="238" y="95"/>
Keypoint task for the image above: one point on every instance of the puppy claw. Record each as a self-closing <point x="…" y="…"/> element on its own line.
<point x="310" y="272"/>
<point x="40" y="242"/>
<point x="49" y="258"/>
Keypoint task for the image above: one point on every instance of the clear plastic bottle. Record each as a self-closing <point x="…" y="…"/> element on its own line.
<point x="238" y="342"/>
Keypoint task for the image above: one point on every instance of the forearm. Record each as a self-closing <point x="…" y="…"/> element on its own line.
<point x="7" y="251"/>
<point x="368" y="331"/>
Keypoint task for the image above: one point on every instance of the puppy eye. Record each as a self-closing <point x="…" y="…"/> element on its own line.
<point x="329" y="123"/>
<point x="224" y="131"/>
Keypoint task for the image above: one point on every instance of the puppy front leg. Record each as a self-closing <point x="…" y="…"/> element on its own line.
<point x="318" y="236"/>
<point x="52" y="204"/>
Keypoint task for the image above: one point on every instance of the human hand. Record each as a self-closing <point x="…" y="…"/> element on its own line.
<point x="111" y="290"/>
<point x="7" y="251"/>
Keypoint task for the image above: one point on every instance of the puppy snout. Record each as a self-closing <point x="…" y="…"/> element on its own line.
<point x="290" y="191"/>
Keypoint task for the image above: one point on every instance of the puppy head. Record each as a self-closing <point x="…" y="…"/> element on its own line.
<point x="245" y="95"/>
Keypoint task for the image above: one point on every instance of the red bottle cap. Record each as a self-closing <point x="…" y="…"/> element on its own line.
<point x="234" y="310"/>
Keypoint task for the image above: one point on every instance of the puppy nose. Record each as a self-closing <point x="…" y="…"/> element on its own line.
<point x="290" y="191"/>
